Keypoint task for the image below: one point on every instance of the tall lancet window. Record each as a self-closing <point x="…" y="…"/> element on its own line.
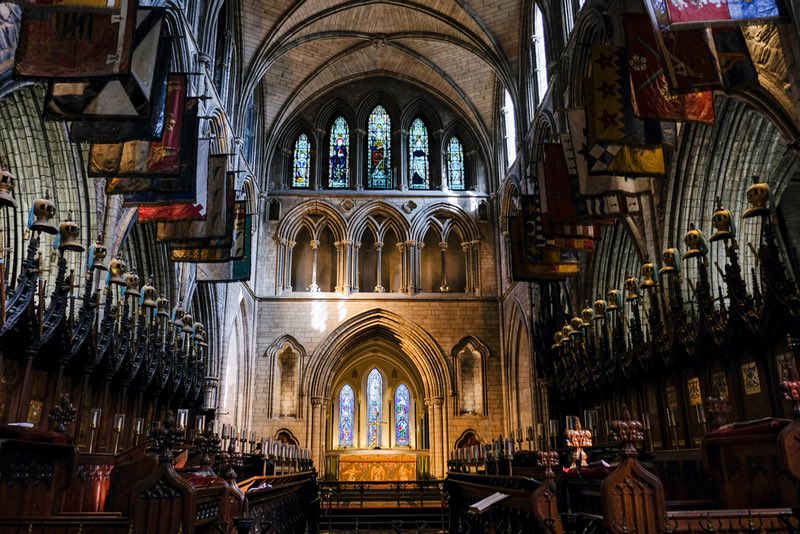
<point x="339" y="175"/>
<point x="301" y="170"/>
<point x="402" y="406"/>
<point x="379" y="150"/>
<point x="346" y="416"/>
<point x="374" y="408"/>
<point x="540" y="53"/>
<point x="455" y="165"/>
<point x="418" y="156"/>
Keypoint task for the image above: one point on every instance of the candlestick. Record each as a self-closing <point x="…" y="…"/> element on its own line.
<point x="94" y="423"/>
<point x="138" y="428"/>
<point x="117" y="426"/>
<point x="183" y="418"/>
<point x="200" y="423"/>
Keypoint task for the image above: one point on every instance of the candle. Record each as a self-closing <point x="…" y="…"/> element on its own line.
<point x="94" y="418"/>
<point x="119" y="422"/>
<point x="531" y="437"/>
<point x="701" y="414"/>
<point x="283" y="451"/>
<point x="138" y="426"/>
<point x="183" y="418"/>
<point x="252" y="436"/>
<point x="570" y="423"/>
<point x="200" y="423"/>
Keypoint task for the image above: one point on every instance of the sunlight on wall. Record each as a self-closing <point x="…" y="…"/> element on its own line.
<point x="319" y="316"/>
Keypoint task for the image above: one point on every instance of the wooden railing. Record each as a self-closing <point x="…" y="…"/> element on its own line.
<point x="385" y="505"/>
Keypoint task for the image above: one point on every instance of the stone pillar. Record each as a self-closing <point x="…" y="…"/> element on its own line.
<point x="280" y="259"/>
<point x="287" y="266"/>
<point x="443" y="287"/>
<point x="466" y="247"/>
<point x="312" y="439"/>
<point x="355" y="284"/>
<point x="379" y="285"/>
<point x="476" y="266"/>
<point x="314" y="288"/>
<point x="347" y="266"/>
<point x="438" y="437"/>
<point x="412" y="264"/>
<point x="320" y="429"/>
<point x="401" y="247"/>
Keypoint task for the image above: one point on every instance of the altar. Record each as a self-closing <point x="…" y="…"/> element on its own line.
<point x="376" y="465"/>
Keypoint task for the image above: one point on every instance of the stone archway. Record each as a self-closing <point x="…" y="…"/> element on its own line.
<point x="389" y="330"/>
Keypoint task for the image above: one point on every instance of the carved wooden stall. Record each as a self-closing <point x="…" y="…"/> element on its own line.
<point x="625" y="496"/>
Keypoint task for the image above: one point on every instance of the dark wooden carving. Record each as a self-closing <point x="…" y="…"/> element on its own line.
<point x="632" y="496"/>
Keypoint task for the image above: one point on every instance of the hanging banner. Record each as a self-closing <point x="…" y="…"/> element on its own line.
<point x="75" y="43"/>
<point x="735" y="61"/>
<point x="10" y="20"/>
<point x="217" y="251"/>
<point x="685" y="13"/>
<point x="650" y="92"/>
<point x="147" y="158"/>
<point x="232" y="271"/>
<point x="209" y="216"/>
<point x="166" y="189"/>
<point x="602" y="184"/>
<point x="127" y="107"/>
<point x="690" y="59"/>
<point x="555" y="187"/>
<point x="530" y="263"/>
<point x="110" y="6"/>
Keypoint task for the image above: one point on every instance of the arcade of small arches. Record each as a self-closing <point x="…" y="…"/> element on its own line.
<point x="378" y="249"/>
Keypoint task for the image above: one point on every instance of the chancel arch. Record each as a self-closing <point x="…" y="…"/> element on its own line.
<point x="390" y="342"/>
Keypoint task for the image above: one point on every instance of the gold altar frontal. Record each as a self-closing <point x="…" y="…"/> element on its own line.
<point x="376" y="465"/>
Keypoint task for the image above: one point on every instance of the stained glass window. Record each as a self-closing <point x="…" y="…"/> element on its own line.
<point x="302" y="162"/>
<point x="418" y="156"/>
<point x="346" y="416"/>
<point x="339" y="160"/>
<point x="455" y="165"/>
<point x="379" y="167"/>
<point x="374" y="408"/>
<point x="402" y="403"/>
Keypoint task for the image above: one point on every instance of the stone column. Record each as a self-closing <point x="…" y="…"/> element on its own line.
<point x="347" y="265"/>
<point x="443" y="287"/>
<point x="379" y="285"/>
<point x="466" y="247"/>
<point x="287" y="266"/>
<point x="321" y="429"/>
<point x="401" y="247"/>
<point x="280" y="259"/>
<point x="476" y="266"/>
<point x="314" y="288"/>
<point x="355" y="284"/>
<point x="312" y="439"/>
<point x="412" y="264"/>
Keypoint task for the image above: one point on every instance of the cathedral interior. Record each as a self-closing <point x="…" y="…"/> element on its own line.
<point x="399" y="266"/>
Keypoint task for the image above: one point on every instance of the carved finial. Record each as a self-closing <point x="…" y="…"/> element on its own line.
<point x="548" y="460"/>
<point x="629" y="432"/>
<point x="578" y="438"/>
<point x="165" y="437"/>
<point x="63" y="414"/>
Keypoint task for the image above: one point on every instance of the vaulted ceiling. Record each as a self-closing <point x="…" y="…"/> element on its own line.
<point x="457" y="49"/>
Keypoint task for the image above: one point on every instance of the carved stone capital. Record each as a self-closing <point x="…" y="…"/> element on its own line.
<point x="314" y="244"/>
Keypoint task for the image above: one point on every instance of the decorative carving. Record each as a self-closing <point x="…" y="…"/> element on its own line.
<point x="63" y="414"/>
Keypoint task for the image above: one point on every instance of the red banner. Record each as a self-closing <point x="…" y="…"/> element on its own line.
<point x="75" y="44"/>
<point x="649" y="87"/>
<point x="147" y="158"/>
